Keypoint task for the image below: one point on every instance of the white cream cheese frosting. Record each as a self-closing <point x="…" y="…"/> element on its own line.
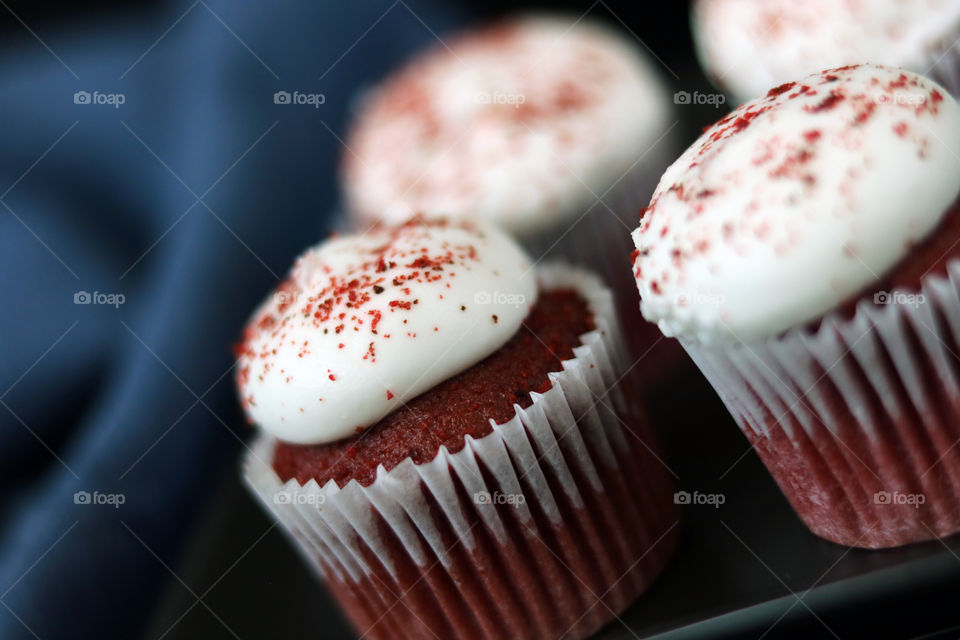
<point x="795" y="202"/>
<point x="748" y="46"/>
<point x="367" y="322"/>
<point x="523" y="124"/>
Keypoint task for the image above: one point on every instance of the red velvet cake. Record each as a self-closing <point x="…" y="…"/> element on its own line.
<point x="518" y="496"/>
<point x="805" y="251"/>
<point x="463" y="405"/>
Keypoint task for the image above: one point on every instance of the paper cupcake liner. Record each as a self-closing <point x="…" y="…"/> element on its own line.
<point x="545" y="528"/>
<point x="858" y="421"/>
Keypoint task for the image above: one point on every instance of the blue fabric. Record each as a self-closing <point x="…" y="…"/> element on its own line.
<point x="138" y="399"/>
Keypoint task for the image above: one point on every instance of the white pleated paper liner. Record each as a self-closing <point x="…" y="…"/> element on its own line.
<point x="545" y="528"/>
<point x="858" y="421"/>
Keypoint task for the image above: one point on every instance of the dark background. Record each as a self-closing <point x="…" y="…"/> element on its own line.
<point x="662" y="25"/>
<point x="191" y="200"/>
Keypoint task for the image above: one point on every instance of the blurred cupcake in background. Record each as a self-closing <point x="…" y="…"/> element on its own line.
<point x="748" y="46"/>
<point x="553" y="128"/>
<point x="806" y="251"/>
<point x="439" y="441"/>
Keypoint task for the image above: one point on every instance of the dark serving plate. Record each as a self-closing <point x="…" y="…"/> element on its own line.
<point x="745" y="569"/>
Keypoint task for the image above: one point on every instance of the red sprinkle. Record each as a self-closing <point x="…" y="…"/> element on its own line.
<point x="827" y="103"/>
<point x="783" y="88"/>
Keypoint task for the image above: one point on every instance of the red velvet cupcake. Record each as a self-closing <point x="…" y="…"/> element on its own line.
<point x="552" y="127"/>
<point x="445" y="439"/>
<point x="805" y="251"/>
<point x="748" y="46"/>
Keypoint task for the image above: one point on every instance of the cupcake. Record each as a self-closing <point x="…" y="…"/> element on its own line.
<point x="748" y="46"/>
<point x="552" y="128"/>
<point x="443" y="437"/>
<point x="805" y="251"/>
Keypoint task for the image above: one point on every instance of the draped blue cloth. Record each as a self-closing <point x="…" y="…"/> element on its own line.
<point x="171" y="214"/>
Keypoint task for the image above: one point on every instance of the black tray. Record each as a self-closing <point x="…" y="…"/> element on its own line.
<point x="746" y="569"/>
